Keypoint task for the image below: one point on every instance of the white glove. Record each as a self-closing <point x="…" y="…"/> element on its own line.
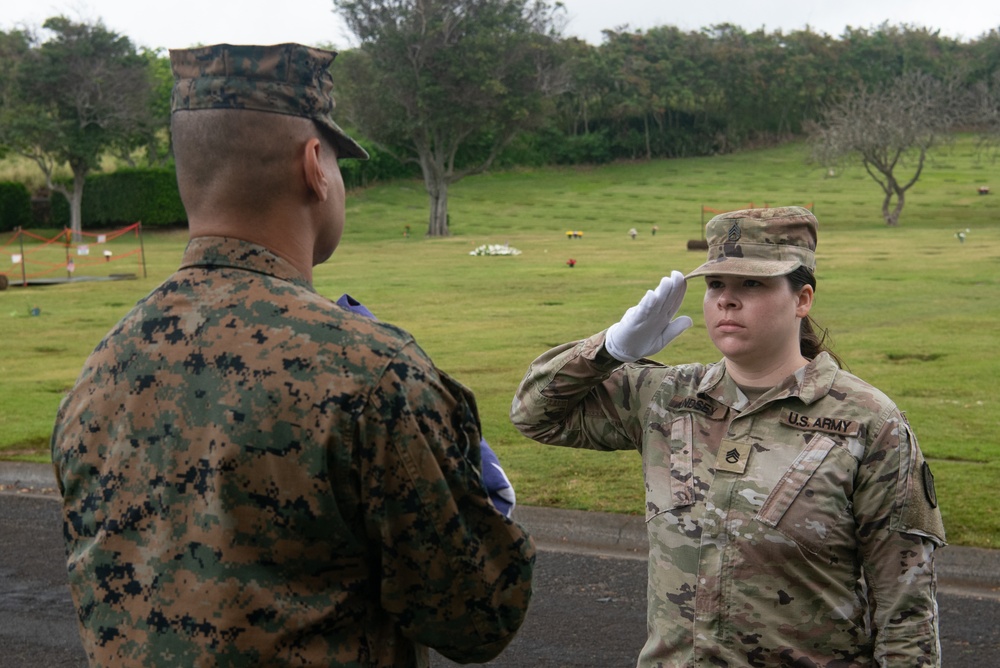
<point x="647" y="328"/>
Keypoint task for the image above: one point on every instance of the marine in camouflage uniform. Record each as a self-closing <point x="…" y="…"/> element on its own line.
<point x="796" y="528"/>
<point x="255" y="476"/>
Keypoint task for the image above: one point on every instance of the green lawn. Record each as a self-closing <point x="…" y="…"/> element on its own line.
<point x="910" y="309"/>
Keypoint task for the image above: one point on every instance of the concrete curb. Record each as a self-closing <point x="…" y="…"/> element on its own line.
<point x="581" y="531"/>
<point x="968" y="568"/>
<point x="28" y="476"/>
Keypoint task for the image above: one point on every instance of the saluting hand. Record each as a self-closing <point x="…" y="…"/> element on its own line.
<point x="649" y="326"/>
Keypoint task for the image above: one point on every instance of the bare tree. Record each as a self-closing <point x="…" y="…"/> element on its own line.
<point x="984" y="114"/>
<point x="447" y="84"/>
<point x="891" y="130"/>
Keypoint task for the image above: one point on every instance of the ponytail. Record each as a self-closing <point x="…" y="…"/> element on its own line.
<point x="811" y="343"/>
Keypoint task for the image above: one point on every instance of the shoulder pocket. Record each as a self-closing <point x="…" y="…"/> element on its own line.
<point x="916" y="510"/>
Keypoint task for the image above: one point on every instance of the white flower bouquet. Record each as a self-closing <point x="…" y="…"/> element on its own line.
<point x="495" y="249"/>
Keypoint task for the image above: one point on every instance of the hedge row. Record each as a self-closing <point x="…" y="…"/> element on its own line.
<point x="126" y="196"/>
<point x="150" y="195"/>
<point x="15" y="206"/>
<point x="380" y="166"/>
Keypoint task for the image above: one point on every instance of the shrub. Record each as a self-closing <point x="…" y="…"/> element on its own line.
<point x="379" y="167"/>
<point x="150" y="195"/>
<point x="15" y="206"/>
<point x="126" y="196"/>
<point x="549" y="146"/>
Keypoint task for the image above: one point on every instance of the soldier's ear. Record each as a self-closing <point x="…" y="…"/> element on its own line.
<point x="315" y="175"/>
<point x="805" y="301"/>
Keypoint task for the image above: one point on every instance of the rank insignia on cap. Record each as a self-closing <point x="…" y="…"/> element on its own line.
<point x="734" y="233"/>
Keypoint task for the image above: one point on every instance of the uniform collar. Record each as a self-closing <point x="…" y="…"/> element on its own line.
<point x="213" y="252"/>
<point x="810" y="383"/>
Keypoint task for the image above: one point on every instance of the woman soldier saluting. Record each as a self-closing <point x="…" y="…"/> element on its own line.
<point x="791" y="516"/>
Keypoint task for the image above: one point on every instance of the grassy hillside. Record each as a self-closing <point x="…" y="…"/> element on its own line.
<point x="910" y="309"/>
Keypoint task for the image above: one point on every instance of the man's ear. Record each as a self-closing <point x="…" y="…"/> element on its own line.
<point x="315" y="174"/>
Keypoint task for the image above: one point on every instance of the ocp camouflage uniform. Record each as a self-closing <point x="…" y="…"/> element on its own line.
<point x="798" y="529"/>
<point x="255" y="476"/>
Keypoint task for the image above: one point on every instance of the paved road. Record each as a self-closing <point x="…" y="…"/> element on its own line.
<point x="588" y="610"/>
<point x="37" y="622"/>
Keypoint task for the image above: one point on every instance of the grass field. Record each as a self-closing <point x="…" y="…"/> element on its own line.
<point x="910" y="309"/>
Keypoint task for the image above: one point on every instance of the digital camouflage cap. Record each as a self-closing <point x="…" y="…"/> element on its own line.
<point x="289" y="79"/>
<point x="760" y="242"/>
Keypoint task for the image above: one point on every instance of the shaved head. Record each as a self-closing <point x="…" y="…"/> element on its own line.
<point x="239" y="160"/>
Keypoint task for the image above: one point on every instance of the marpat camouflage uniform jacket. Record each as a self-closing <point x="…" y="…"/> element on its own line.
<point x="795" y="530"/>
<point x="253" y="475"/>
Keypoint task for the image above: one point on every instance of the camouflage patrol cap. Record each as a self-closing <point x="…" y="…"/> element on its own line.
<point x="282" y="78"/>
<point x="760" y="242"/>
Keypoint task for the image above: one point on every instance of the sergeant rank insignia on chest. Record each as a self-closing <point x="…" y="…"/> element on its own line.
<point x="732" y="457"/>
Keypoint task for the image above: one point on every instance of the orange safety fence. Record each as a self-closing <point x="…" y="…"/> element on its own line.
<point x="33" y="257"/>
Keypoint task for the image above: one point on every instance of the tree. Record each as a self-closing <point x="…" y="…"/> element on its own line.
<point x="881" y="54"/>
<point x="890" y="129"/>
<point x="14" y="47"/>
<point x="585" y="84"/>
<point x="84" y="92"/>
<point x="149" y="144"/>
<point x="448" y="84"/>
<point x="983" y="113"/>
